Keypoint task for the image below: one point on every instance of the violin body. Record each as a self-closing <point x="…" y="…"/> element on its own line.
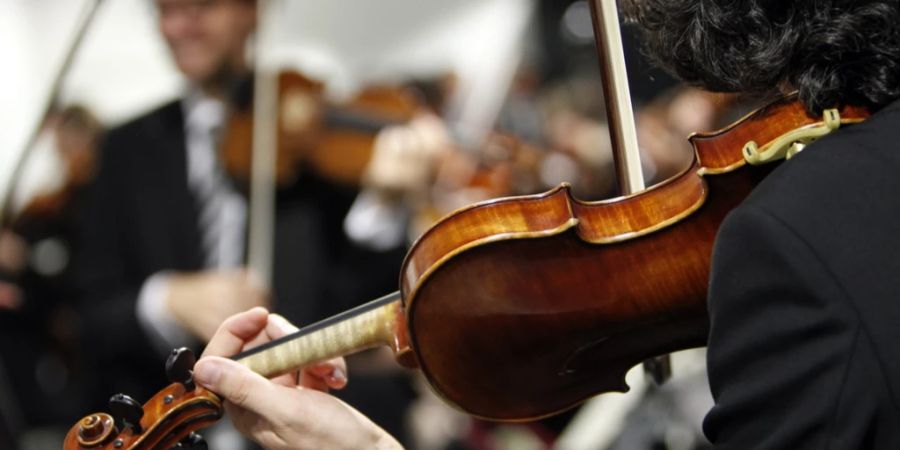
<point x="519" y="308"/>
<point x="538" y="306"/>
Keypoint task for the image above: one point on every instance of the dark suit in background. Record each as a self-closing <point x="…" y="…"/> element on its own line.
<point x="140" y="221"/>
<point x="805" y="300"/>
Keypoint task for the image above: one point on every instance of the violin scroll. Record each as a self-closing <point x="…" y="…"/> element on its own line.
<point x="168" y="420"/>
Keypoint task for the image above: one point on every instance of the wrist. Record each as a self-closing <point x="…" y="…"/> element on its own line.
<point x="155" y="315"/>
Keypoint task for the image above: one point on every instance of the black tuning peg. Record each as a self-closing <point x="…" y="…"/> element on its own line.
<point x="126" y="412"/>
<point x="193" y="441"/>
<point x="179" y="367"/>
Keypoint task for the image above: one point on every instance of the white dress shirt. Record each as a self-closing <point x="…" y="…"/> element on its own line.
<point x="222" y="222"/>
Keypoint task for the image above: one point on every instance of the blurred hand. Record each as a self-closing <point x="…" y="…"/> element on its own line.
<point x="10" y="296"/>
<point x="13" y="252"/>
<point x="403" y="156"/>
<point x="201" y="301"/>
<point x="285" y="412"/>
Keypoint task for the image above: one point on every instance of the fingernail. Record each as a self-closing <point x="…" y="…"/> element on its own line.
<point x="282" y="323"/>
<point x="207" y="373"/>
<point x="338" y="375"/>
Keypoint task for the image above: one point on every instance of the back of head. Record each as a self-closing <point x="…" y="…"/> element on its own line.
<point x="832" y="52"/>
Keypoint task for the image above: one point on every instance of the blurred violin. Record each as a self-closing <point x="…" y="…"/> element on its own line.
<point x="504" y="166"/>
<point x="334" y="140"/>
<point x="75" y="132"/>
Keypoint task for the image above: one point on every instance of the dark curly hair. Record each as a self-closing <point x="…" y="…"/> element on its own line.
<point x="831" y="51"/>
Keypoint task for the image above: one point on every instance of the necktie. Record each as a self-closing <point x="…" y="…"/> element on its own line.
<point x="221" y="209"/>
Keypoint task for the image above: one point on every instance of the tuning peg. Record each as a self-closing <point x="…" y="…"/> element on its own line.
<point x="193" y="441"/>
<point x="127" y="412"/>
<point x="179" y="367"/>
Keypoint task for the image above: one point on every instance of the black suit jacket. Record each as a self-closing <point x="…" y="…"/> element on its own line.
<point x="804" y="350"/>
<point x="142" y="219"/>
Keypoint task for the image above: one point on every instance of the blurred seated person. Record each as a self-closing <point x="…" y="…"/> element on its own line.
<point x="40" y="334"/>
<point x="163" y="235"/>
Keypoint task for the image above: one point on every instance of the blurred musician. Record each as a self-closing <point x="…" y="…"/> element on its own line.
<point x="165" y="236"/>
<point x="39" y="346"/>
<point x="153" y="276"/>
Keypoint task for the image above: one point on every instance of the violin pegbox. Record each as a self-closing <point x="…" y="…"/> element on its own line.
<point x="167" y="420"/>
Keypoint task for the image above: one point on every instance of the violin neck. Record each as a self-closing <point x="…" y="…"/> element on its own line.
<point x="373" y="324"/>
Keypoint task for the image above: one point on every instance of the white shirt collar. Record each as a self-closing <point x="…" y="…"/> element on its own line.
<point x="202" y="113"/>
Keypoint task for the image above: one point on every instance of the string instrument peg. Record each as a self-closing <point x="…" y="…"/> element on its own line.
<point x="127" y="412"/>
<point x="179" y="367"/>
<point x="168" y="418"/>
<point x="193" y="441"/>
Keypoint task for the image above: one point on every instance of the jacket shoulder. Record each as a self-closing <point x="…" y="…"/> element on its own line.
<point x="165" y="117"/>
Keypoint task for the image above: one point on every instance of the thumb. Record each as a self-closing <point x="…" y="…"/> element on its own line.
<point x="238" y="384"/>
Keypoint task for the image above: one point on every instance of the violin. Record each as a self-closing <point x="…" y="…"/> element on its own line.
<point x="333" y="140"/>
<point x="75" y="132"/>
<point x="560" y="297"/>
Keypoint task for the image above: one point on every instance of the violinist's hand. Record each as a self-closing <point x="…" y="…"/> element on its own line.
<point x="13" y="252"/>
<point x="403" y="156"/>
<point x="283" y="413"/>
<point x="201" y="301"/>
<point x="10" y="296"/>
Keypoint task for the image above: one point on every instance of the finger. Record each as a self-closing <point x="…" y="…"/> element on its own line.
<point x="229" y="339"/>
<point x="289" y="379"/>
<point x="276" y="327"/>
<point x="332" y="373"/>
<point x="236" y="383"/>
<point x="310" y="382"/>
<point x="431" y="132"/>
